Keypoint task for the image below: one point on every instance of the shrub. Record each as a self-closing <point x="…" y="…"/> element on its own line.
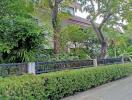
<point x="53" y="86"/>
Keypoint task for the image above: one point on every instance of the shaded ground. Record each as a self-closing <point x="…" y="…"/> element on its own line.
<point x="118" y="90"/>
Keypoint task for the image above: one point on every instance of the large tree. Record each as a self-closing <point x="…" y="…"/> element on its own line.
<point x="49" y="9"/>
<point x="111" y="13"/>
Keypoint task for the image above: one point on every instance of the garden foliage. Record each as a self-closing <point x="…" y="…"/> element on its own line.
<point x="20" y="33"/>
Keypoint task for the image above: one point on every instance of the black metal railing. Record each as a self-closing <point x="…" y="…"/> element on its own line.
<point x="109" y="61"/>
<point x="13" y="69"/>
<point x="43" y="67"/>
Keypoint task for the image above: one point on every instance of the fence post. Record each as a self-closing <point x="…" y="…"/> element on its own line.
<point x="95" y="63"/>
<point x="122" y="59"/>
<point x="31" y="68"/>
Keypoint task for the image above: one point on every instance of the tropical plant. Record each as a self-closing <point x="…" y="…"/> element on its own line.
<point x="20" y="33"/>
<point x="74" y="36"/>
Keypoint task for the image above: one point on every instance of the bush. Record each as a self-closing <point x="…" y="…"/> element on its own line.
<point x="53" y="86"/>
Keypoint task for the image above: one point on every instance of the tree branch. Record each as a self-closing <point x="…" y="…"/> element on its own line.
<point x="104" y="20"/>
<point x="98" y="2"/>
<point x="99" y="34"/>
<point x="92" y="4"/>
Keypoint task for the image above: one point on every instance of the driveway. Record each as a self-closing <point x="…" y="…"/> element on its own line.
<point x="118" y="90"/>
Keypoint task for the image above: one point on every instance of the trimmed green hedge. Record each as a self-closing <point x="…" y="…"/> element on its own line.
<point x="54" y="86"/>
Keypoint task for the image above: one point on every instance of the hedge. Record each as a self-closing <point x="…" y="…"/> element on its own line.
<point x="53" y="86"/>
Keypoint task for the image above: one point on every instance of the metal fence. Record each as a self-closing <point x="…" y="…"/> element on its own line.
<point x="45" y="67"/>
<point x="110" y="61"/>
<point x="13" y="69"/>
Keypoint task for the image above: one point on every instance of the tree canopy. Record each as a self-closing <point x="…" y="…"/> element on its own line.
<point x="111" y="12"/>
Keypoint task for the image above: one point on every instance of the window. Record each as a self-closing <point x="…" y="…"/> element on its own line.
<point x="69" y="10"/>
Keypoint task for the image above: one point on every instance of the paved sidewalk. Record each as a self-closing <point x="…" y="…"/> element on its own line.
<point x="118" y="90"/>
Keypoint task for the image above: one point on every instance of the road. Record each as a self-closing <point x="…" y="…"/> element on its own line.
<point x="117" y="90"/>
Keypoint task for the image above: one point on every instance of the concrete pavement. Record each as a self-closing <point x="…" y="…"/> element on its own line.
<point x="117" y="90"/>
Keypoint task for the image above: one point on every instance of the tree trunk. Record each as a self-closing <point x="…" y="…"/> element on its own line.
<point x="103" y="42"/>
<point x="56" y="41"/>
<point x="104" y="47"/>
<point x="56" y="28"/>
<point x="98" y="31"/>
